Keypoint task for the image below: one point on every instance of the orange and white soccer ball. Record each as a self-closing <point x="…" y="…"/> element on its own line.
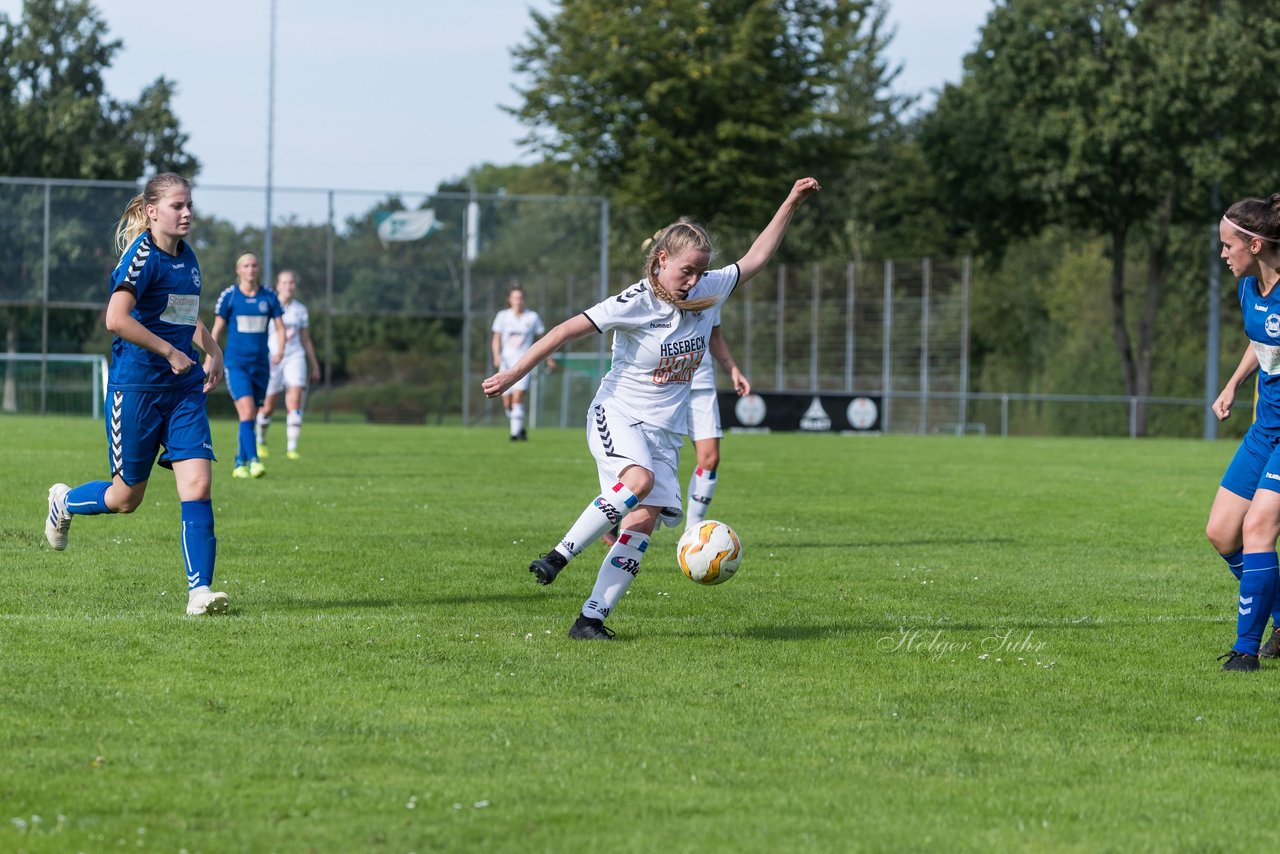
<point x="709" y="552"/>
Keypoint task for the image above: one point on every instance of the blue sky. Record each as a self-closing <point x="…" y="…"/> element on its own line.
<point x="387" y="94"/>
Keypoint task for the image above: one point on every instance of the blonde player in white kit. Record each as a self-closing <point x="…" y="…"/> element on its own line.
<point x="290" y="375"/>
<point x="514" y="330"/>
<point x="639" y="415"/>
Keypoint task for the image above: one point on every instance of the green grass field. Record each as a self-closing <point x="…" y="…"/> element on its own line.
<point x="933" y="643"/>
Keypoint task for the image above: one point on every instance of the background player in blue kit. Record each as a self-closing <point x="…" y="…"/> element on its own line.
<point x="640" y="412"/>
<point x="1245" y="518"/>
<point x="246" y="310"/>
<point x="155" y="388"/>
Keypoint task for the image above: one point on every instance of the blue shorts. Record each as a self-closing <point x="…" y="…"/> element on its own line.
<point x="1255" y="466"/>
<point x="140" y="422"/>
<point x="243" y="382"/>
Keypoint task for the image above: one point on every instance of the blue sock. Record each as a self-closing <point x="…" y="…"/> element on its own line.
<point x="1235" y="561"/>
<point x="88" y="499"/>
<point x="199" y="545"/>
<point x="1258" y="583"/>
<point x="248" y="446"/>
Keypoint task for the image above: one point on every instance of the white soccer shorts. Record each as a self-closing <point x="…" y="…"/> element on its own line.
<point x="704" y="415"/>
<point x="617" y="441"/>
<point x="290" y="373"/>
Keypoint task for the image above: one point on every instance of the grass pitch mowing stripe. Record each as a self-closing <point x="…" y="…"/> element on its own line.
<point x="967" y="643"/>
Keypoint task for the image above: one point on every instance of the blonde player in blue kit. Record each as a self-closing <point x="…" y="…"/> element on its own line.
<point x="246" y="310"/>
<point x="1244" y="521"/>
<point x="637" y="420"/>
<point x="155" y="388"/>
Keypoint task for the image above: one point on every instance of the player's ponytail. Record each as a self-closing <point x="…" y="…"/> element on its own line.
<point x="673" y="240"/>
<point x="1258" y="218"/>
<point x="134" y="220"/>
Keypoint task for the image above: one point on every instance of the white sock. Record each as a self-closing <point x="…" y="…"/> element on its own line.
<point x="293" y="428"/>
<point x="603" y="513"/>
<point x="702" y="485"/>
<point x="616" y="574"/>
<point x="260" y="429"/>
<point x="517" y="418"/>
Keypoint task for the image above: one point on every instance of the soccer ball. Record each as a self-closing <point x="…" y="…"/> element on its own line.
<point x="709" y="552"/>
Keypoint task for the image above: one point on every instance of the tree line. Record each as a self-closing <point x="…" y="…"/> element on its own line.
<point x="1082" y="159"/>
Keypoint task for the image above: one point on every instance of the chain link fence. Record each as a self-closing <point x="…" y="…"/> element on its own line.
<point x="401" y="326"/>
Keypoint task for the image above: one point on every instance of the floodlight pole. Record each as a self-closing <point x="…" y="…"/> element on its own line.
<point x="271" y="123"/>
<point x="1213" y="345"/>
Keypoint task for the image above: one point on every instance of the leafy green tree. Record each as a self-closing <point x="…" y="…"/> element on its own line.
<point x="58" y="121"/>
<point x="1114" y="118"/>
<point x="675" y="107"/>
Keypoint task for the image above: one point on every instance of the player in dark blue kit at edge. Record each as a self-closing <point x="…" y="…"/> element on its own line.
<point x="1244" y="521"/>
<point x="155" y="388"/>
<point x="246" y="310"/>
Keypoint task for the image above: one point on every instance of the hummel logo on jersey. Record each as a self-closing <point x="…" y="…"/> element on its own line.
<point x="1257" y="307"/>
<point x="177" y="266"/>
<point x="666" y="325"/>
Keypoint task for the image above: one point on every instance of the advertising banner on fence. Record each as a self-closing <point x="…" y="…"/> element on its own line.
<point x="799" y="412"/>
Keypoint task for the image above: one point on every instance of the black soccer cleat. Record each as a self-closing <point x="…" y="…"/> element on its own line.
<point x="1271" y="649"/>
<point x="589" y="628"/>
<point x="548" y="566"/>
<point x="1240" y="661"/>
<point x="524" y="435"/>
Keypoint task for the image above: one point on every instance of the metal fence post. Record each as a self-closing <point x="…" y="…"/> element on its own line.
<point x="328" y="311"/>
<point x="924" y="346"/>
<point x="44" y="306"/>
<point x="1133" y="418"/>
<point x="850" y="351"/>
<point x="813" y="330"/>
<point x="964" y="346"/>
<point x="886" y="372"/>
<point x="778" y="381"/>
<point x="1004" y="415"/>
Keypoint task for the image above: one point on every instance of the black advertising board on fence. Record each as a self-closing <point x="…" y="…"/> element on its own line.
<point x="799" y="412"/>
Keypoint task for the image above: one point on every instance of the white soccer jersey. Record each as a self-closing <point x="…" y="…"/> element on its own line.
<point x="295" y="320"/>
<point x="517" y="332"/>
<point x="656" y="349"/>
<point x="705" y="376"/>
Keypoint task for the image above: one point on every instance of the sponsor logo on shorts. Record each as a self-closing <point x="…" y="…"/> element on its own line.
<point x="1270" y="476"/>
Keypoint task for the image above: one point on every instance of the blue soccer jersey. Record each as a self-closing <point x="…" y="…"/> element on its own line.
<point x="167" y="290"/>
<point x="249" y="323"/>
<point x="1262" y="325"/>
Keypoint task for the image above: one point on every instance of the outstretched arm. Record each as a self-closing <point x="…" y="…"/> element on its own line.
<point x="572" y="329"/>
<point x="771" y="238"/>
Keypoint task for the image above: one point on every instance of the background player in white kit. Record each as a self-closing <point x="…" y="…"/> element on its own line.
<point x="291" y="373"/>
<point x="639" y="415"/>
<point x="515" y="328"/>
<point x="704" y="423"/>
